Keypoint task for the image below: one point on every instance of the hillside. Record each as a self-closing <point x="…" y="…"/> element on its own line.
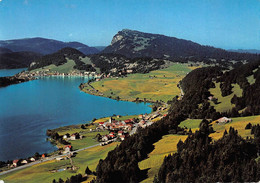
<point x="44" y="46"/>
<point x="138" y="44"/>
<point x="116" y="64"/>
<point x="12" y="60"/>
<point x="66" y="59"/>
<point x="194" y="104"/>
<point x="5" y="50"/>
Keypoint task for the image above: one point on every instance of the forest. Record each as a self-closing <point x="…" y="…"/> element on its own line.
<point x="121" y="164"/>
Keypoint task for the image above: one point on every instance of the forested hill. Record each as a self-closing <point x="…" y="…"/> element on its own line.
<point x="62" y="57"/>
<point x="139" y="44"/>
<point x="12" y="60"/>
<point x="121" y="164"/>
<point x="44" y="46"/>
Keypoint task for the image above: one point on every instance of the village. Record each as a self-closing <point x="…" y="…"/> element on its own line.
<point x="112" y="129"/>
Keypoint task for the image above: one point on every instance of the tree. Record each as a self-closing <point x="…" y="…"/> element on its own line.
<point x="88" y="171"/>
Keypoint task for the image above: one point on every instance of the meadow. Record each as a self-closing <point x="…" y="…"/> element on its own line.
<point x="224" y="102"/>
<point x="41" y="172"/>
<point x="156" y="85"/>
<point x="165" y="146"/>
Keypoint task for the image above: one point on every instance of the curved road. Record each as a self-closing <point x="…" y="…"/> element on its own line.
<point x="44" y="160"/>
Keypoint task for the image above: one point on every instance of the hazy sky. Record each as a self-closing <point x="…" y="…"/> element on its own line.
<point x="220" y="23"/>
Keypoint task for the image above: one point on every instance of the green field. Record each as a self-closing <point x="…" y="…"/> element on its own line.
<point x="224" y="102"/>
<point x="251" y="79"/>
<point x="156" y="85"/>
<point x="238" y="123"/>
<point x="41" y="172"/>
<point x="191" y="124"/>
<point x="65" y="68"/>
<point x="165" y="146"/>
<point x="88" y="137"/>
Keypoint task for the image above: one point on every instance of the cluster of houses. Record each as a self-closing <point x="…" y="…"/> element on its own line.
<point x="73" y="136"/>
<point x="47" y="72"/>
<point x="19" y="162"/>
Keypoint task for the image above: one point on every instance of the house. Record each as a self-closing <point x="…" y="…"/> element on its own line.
<point x="140" y="116"/>
<point x="111" y="136"/>
<point x="67" y="148"/>
<point x="75" y="136"/>
<point x="24" y="162"/>
<point x="118" y="116"/>
<point x="66" y="136"/>
<point x="210" y="97"/>
<point x="105" y="138"/>
<point x="120" y="133"/>
<point x="224" y="120"/>
<point x="15" y="162"/>
<point x="122" y="137"/>
<point x="59" y="158"/>
<point x="128" y="121"/>
<point x="32" y="159"/>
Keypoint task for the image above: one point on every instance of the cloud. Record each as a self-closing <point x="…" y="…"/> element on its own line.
<point x="0" y="1"/>
<point x="70" y="35"/>
<point x="26" y="2"/>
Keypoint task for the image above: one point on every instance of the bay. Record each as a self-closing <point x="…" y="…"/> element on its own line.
<point x="28" y="109"/>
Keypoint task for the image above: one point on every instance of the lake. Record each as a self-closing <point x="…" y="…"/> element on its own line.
<point x="28" y="109"/>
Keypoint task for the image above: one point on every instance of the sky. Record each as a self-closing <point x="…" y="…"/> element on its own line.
<point x="228" y="24"/>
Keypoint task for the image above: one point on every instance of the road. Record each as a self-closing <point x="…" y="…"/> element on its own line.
<point x="44" y="160"/>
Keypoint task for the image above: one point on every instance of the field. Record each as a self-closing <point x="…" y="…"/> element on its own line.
<point x="251" y="79"/>
<point x="65" y="68"/>
<point x="156" y="85"/>
<point x="238" y="123"/>
<point x="41" y="172"/>
<point x="192" y="124"/>
<point x="167" y="145"/>
<point x="224" y="102"/>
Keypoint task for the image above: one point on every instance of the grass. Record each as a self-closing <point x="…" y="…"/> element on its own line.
<point x="156" y="85"/>
<point x="251" y="79"/>
<point x="65" y="68"/>
<point x="238" y="123"/>
<point x="167" y="145"/>
<point x="40" y="172"/>
<point x="224" y="102"/>
<point x="191" y="124"/>
<point x="88" y="139"/>
<point x="87" y="60"/>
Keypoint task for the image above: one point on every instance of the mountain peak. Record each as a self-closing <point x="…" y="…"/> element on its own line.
<point x="132" y="44"/>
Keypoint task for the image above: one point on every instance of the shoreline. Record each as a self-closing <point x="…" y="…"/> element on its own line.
<point x="53" y="153"/>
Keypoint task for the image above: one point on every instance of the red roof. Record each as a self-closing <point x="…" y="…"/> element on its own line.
<point x="120" y="131"/>
<point x="111" y="135"/>
<point x="128" y="121"/>
<point x="101" y="123"/>
<point x="15" y="161"/>
<point x="69" y="146"/>
<point x="43" y="155"/>
<point x="112" y="132"/>
<point x="165" y="115"/>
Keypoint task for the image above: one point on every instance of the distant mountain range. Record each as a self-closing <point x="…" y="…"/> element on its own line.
<point x="254" y="51"/>
<point x="11" y="60"/>
<point x="44" y="46"/>
<point x="128" y="43"/>
<point x="139" y="44"/>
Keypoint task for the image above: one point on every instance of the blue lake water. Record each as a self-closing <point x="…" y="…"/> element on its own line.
<point x="10" y="72"/>
<point x="28" y="109"/>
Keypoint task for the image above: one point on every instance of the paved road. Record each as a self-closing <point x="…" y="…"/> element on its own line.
<point x="44" y="160"/>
